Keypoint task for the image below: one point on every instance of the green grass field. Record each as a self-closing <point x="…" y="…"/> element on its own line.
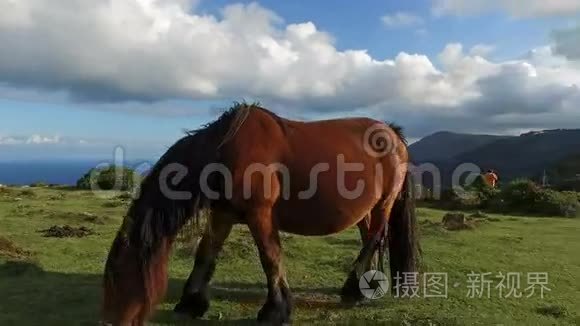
<point x="56" y="281"/>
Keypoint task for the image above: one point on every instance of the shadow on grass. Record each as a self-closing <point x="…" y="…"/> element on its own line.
<point x="32" y="296"/>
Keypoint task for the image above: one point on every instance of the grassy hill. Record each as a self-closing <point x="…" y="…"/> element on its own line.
<point x="56" y="281"/>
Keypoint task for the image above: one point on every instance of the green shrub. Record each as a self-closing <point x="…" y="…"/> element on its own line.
<point x="524" y="196"/>
<point x="521" y="194"/>
<point x="459" y="199"/>
<point x="467" y="200"/>
<point x="518" y="197"/>
<point x="487" y="196"/>
<point x="479" y="183"/>
<point x="559" y="203"/>
<point x="112" y="177"/>
<point x="478" y="195"/>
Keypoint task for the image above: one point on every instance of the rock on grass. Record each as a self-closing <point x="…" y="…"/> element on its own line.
<point x="457" y="221"/>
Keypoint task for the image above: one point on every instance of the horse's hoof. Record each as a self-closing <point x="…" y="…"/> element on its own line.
<point x="194" y="305"/>
<point x="274" y="314"/>
<point x="350" y="292"/>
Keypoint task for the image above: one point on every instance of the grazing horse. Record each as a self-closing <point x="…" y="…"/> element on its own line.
<point x="252" y="167"/>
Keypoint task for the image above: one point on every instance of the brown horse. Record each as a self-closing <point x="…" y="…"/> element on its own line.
<point x="253" y="167"/>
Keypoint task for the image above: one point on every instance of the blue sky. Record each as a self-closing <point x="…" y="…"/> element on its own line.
<point x="137" y="74"/>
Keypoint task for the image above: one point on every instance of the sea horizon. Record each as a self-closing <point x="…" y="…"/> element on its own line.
<point x="51" y="171"/>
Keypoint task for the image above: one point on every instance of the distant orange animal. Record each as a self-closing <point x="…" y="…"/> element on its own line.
<point x="491" y="178"/>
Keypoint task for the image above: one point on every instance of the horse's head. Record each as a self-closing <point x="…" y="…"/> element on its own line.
<point x="123" y="291"/>
<point x="135" y="276"/>
<point x="133" y="284"/>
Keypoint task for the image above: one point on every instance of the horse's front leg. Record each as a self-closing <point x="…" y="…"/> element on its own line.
<point x="195" y="299"/>
<point x="277" y="309"/>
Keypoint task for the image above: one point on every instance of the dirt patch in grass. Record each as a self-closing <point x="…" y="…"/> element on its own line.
<point x="11" y="250"/>
<point x="66" y="231"/>
<point x="555" y="311"/>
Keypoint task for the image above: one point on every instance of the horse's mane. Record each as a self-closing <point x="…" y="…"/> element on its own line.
<point x="240" y="111"/>
<point x="152" y="216"/>
<point x="398" y="130"/>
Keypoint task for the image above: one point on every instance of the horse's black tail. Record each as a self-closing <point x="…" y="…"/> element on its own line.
<point x="403" y="238"/>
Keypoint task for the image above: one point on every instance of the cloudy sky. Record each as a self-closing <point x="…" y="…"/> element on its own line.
<point x="78" y="77"/>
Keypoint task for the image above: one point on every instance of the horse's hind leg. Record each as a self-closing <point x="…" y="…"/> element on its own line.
<point x="372" y="229"/>
<point x="195" y="300"/>
<point x="277" y="309"/>
<point x="350" y="290"/>
<point x="363" y="228"/>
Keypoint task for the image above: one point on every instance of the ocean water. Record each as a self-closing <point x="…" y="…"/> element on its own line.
<point x="49" y="172"/>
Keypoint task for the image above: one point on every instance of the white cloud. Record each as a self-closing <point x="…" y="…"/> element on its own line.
<point x="9" y="141"/>
<point x="120" y="52"/>
<point x="531" y="93"/>
<point x="482" y="50"/>
<point x="34" y="139"/>
<point x="151" y="50"/>
<point x="401" y="19"/>
<point x="148" y="50"/>
<point x="515" y="8"/>
<point x="38" y="139"/>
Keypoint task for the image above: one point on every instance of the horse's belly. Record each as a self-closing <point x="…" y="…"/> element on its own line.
<point x="312" y="218"/>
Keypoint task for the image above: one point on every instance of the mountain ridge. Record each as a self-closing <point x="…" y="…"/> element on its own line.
<point x="526" y="155"/>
